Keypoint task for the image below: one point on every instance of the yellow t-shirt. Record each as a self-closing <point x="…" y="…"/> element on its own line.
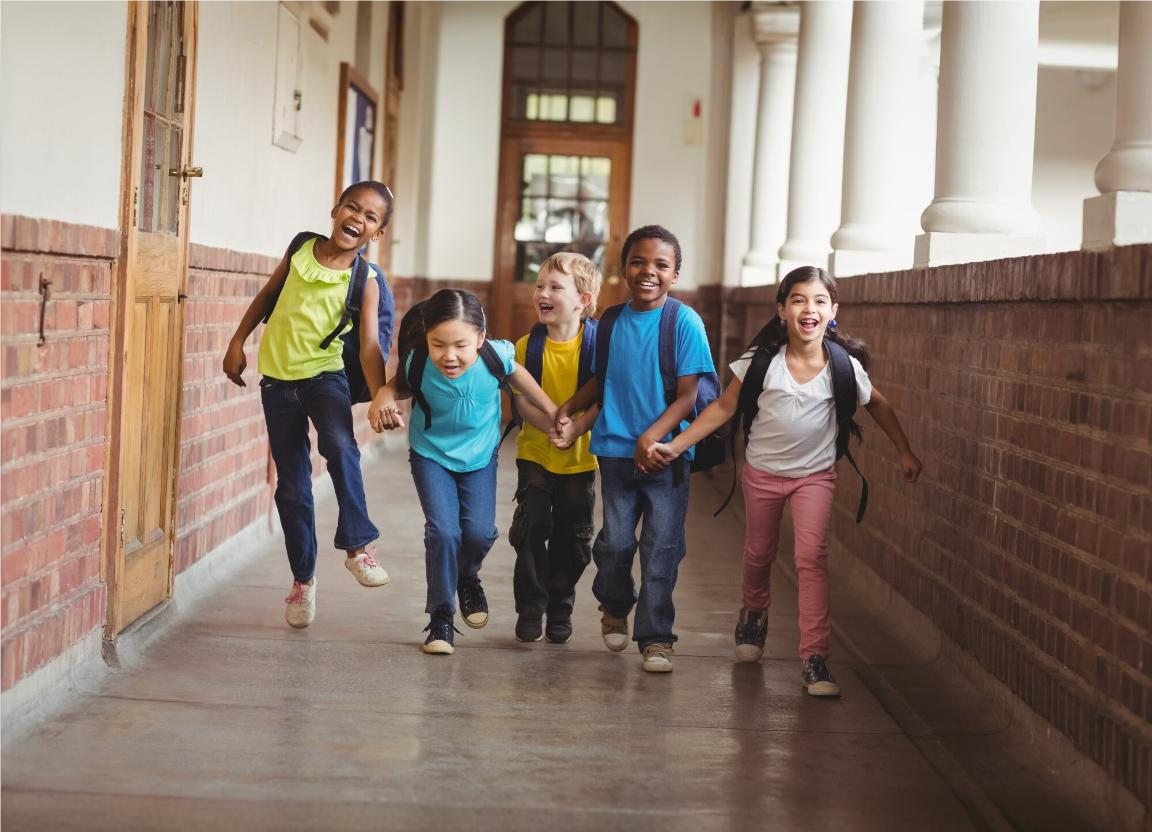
<point x="560" y="371"/>
<point x="309" y="307"/>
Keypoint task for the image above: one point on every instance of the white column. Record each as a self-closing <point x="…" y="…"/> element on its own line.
<point x="1123" y="214"/>
<point x="817" y="133"/>
<point x="985" y="135"/>
<point x="775" y="30"/>
<point x="879" y="212"/>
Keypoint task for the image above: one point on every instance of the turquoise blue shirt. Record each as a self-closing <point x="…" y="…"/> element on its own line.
<point x="632" y="388"/>
<point x="465" y="414"/>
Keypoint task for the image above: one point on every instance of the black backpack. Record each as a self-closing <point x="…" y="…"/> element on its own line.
<point x="534" y="363"/>
<point x="709" y="451"/>
<point x="386" y="309"/>
<point x="414" y="374"/>
<point x="843" y="390"/>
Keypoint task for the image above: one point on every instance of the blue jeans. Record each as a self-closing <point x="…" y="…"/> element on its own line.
<point x="288" y="405"/>
<point x="661" y="501"/>
<point x="459" y="525"/>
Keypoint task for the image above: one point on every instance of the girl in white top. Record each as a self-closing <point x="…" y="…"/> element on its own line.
<point x="791" y="458"/>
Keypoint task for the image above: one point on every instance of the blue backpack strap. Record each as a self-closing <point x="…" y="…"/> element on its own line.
<point x="293" y="247"/>
<point x="385" y="312"/>
<point x="845" y="392"/>
<point x="667" y="347"/>
<point x="587" y="352"/>
<point x="494" y="363"/>
<point x="604" y="341"/>
<point x="534" y="353"/>
<point x="352" y="302"/>
<point x="414" y="375"/>
<point x="747" y="406"/>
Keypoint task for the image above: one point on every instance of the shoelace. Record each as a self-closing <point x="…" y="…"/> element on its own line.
<point x="367" y="560"/>
<point x="297" y="593"/>
<point x="442" y="626"/>
<point x="750" y="628"/>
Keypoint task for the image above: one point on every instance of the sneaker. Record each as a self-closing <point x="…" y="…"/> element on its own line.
<point x="473" y="603"/>
<point x="528" y="628"/>
<point x="441" y="635"/>
<point x="614" y="630"/>
<point x="751" y="630"/>
<point x="559" y="630"/>
<point x="817" y="678"/>
<point x="301" y="601"/>
<point x="658" y="657"/>
<point x="365" y="568"/>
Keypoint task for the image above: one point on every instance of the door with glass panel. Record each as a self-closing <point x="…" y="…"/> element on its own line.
<point x="566" y="148"/>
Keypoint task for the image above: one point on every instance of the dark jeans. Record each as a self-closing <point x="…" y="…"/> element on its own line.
<point x="288" y="405"/>
<point x="552" y="534"/>
<point x="661" y="501"/>
<point x="459" y="525"/>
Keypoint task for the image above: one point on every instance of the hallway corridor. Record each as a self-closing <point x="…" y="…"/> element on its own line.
<point x="234" y="721"/>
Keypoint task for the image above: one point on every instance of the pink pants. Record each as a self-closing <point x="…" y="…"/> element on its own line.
<point x="811" y="498"/>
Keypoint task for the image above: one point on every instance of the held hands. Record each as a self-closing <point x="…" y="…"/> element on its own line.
<point x="235" y="362"/>
<point x="910" y="465"/>
<point x="383" y="414"/>
<point x="652" y="456"/>
<point x="563" y="433"/>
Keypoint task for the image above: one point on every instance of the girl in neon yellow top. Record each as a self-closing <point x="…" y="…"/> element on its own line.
<point x="304" y="380"/>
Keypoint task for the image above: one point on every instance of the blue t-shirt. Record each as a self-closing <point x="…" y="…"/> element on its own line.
<point x="465" y="414"/>
<point x="632" y="388"/>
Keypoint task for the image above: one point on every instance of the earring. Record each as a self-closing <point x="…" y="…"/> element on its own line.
<point x="832" y="324"/>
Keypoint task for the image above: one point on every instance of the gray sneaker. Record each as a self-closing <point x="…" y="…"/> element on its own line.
<point x="614" y="630"/>
<point x="818" y="678"/>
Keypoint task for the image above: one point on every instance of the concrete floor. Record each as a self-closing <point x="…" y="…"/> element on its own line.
<point x="234" y="721"/>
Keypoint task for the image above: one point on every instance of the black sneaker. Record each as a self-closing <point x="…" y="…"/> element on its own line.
<point x="818" y="678"/>
<point x="751" y="630"/>
<point x="559" y="630"/>
<point x="473" y="604"/>
<point x="441" y="634"/>
<point x="528" y="628"/>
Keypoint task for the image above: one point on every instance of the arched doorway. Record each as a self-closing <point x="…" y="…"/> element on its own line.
<point x="565" y="149"/>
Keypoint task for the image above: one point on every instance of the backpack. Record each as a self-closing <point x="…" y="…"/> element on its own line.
<point x="843" y="391"/>
<point x="413" y="375"/>
<point x="709" y="451"/>
<point x="357" y="385"/>
<point x="534" y="362"/>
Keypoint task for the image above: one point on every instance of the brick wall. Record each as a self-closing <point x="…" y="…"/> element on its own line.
<point x="1025" y="386"/>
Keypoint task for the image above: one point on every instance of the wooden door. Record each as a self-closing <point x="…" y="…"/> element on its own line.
<point x="558" y="194"/>
<point x="148" y="354"/>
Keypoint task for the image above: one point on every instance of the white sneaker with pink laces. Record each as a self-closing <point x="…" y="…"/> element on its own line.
<point x="367" y="571"/>
<point x="301" y="601"/>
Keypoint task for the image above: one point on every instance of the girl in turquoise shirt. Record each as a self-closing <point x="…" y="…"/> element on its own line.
<point x="453" y="448"/>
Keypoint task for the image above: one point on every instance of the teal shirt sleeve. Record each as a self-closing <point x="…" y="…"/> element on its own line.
<point x="693" y="355"/>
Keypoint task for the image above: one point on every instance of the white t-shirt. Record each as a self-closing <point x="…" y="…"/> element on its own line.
<point x="794" y="432"/>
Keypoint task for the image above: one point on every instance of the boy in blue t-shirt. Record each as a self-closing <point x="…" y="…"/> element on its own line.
<point x="633" y="416"/>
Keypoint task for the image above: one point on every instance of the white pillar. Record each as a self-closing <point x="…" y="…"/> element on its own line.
<point x="985" y="136"/>
<point x="817" y="133"/>
<point x="775" y="29"/>
<point x="1123" y="214"/>
<point x="878" y="214"/>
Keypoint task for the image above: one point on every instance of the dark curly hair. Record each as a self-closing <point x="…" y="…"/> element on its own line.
<point x="649" y="232"/>
<point x="379" y="188"/>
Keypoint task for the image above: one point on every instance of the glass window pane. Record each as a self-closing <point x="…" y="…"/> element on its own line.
<point x="582" y="108"/>
<point x="525" y="63"/>
<point x="583" y="65"/>
<point x="553" y="107"/>
<point x="153" y="46"/>
<point x="160" y="175"/>
<point x="564" y="175"/>
<point x="556" y="23"/>
<point x="146" y="201"/>
<point x="594" y="173"/>
<point x="593" y="221"/>
<point x="532" y="107"/>
<point x="535" y="174"/>
<point x="615" y="27"/>
<point x="606" y="109"/>
<point x="529" y="256"/>
<point x="519" y="105"/>
<point x="164" y="60"/>
<point x="586" y="24"/>
<point x="555" y="65"/>
<point x="613" y="68"/>
<point x="170" y="220"/>
<point x="533" y="219"/>
<point x="563" y="220"/>
<point x="527" y="28"/>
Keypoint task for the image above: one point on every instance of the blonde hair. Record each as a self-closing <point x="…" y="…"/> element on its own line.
<point x="583" y="273"/>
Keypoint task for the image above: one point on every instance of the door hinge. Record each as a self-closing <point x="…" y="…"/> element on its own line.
<point x="123" y="523"/>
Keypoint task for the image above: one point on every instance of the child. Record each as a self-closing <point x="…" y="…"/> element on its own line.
<point x="634" y="415"/>
<point x="556" y="488"/>
<point x="454" y="437"/>
<point x="304" y="378"/>
<point x="791" y="455"/>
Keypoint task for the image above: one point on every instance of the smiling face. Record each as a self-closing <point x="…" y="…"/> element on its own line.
<point x="359" y="219"/>
<point x="806" y="311"/>
<point x="557" y="299"/>
<point x="650" y="271"/>
<point x="453" y="346"/>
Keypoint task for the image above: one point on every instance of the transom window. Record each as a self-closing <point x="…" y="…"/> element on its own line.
<point x="570" y="62"/>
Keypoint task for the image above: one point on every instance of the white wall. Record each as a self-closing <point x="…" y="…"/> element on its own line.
<point x="1075" y="125"/>
<point x="741" y="148"/>
<point x="62" y="110"/>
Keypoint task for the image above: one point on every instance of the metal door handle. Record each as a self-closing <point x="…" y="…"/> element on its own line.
<point x="187" y="173"/>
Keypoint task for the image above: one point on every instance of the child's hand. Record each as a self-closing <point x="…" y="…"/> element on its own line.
<point x="235" y="362"/>
<point x="910" y="465"/>
<point x="647" y="460"/>
<point x="563" y="433"/>
<point x="383" y="414"/>
<point x="663" y="451"/>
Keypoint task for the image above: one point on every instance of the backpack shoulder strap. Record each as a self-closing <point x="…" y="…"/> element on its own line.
<point x="414" y="375"/>
<point x="352" y="302"/>
<point x="604" y="340"/>
<point x="293" y="247"/>
<point x="844" y="391"/>
<point x="747" y="406"/>
<point x="587" y="352"/>
<point x="493" y="362"/>
<point x="667" y="347"/>
<point x="534" y="351"/>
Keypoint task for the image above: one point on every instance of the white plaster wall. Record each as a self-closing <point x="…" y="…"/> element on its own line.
<point x="255" y="195"/>
<point x="61" y="110"/>
<point x="741" y="148"/>
<point x="1075" y="125"/>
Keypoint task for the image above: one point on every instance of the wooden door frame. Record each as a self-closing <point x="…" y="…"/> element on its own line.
<point x="135" y="68"/>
